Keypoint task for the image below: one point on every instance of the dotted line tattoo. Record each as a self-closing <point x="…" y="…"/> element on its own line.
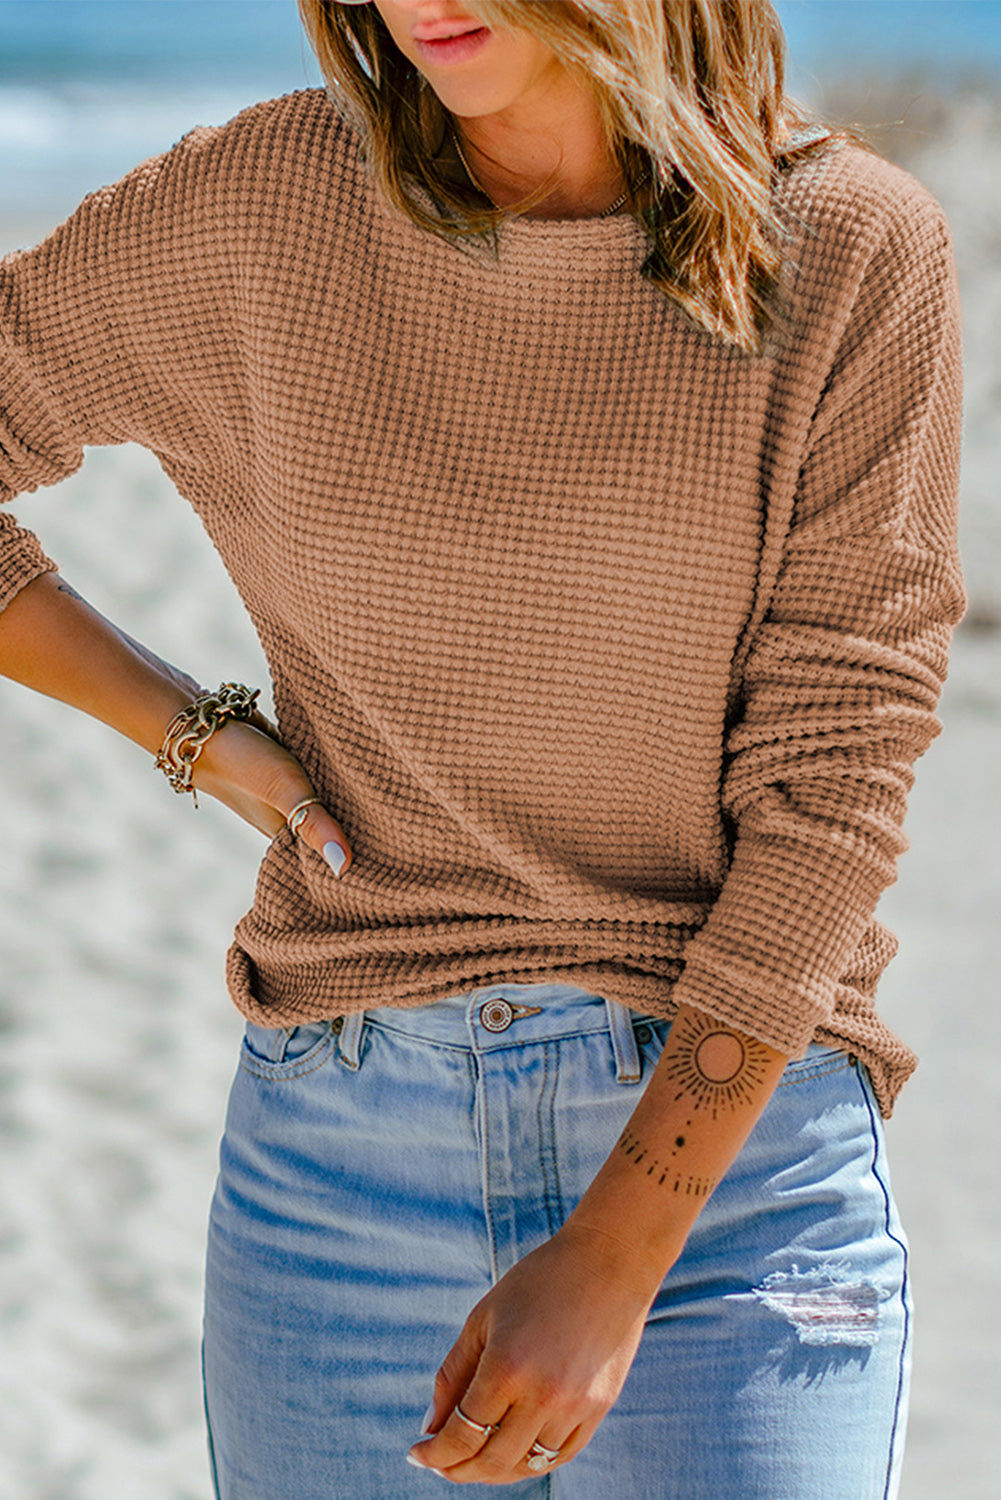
<point x="714" y="1069"/>
<point x="679" y="1182"/>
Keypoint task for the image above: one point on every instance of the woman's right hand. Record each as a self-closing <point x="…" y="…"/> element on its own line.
<point x="244" y="765"/>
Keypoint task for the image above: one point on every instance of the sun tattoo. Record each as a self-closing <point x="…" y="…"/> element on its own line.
<point x="712" y="1065"/>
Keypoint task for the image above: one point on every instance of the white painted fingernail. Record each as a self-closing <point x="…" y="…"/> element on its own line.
<point x="415" y="1463"/>
<point x="335" y="856"/>
<point x="426" y="1420"/>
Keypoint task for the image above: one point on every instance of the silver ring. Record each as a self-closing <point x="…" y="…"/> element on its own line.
<point x="540" y="1457"/>
<point x="299" y="813"/>
<point x="484" y="1428"/>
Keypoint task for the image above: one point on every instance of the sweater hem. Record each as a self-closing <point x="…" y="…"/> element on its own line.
<point x="312" y="992"/>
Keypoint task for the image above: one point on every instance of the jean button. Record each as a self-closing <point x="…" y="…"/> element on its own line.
<point x="644" y="1034"/>
<point x="496" y="1015"/>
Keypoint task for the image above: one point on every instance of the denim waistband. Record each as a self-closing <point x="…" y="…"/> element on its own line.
<point x="506" y="1015"/>
<point x="511" y="1015"/>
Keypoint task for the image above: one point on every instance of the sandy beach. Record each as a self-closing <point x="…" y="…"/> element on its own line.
<point x="117" y="902"/>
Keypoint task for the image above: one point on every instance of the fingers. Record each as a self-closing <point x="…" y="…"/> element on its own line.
<point x="458" y="1368"/>
<point x="461" y="1436"/>
<point x="246" y="766"/>
<point x="510" y="1449"/>
<point x="489" y="1411"/>
<point x="484" y="1425"/>
<point x="317" y="828"/>
<point x="458" y="1431"/>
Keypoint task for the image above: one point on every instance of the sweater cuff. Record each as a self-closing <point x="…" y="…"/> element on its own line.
<point x="780" y="939"/>
<point x="780" y="1015"/>
<point x="21" y="559"/>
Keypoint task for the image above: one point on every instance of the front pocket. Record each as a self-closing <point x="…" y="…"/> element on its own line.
<point x="818" y="1061"/>
<point x="277" y="1053"/>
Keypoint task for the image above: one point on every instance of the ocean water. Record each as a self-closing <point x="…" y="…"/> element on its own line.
<point x="88" y="88"/>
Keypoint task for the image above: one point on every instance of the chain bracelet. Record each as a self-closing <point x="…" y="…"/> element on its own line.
<point x="188" y="731"/>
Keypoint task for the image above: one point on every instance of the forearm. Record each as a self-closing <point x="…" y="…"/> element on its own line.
<point x="53" y="641"/>
<point x="704" y="1098"/>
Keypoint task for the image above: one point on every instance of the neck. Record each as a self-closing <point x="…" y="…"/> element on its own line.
<point x="594" y="189"/>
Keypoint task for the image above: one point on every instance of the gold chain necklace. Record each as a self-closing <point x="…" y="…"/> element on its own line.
<point x="604" y="213"/>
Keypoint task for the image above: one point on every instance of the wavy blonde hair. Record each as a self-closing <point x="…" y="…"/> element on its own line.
<point x="692" y="89"/>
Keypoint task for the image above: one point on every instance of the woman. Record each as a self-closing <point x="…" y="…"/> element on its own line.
<point x="581" y="431"/>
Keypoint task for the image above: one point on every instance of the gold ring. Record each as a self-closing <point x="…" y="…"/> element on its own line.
<point x="297" y="816"/>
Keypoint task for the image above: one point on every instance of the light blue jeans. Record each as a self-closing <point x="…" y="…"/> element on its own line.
<point x="376" y="1179"/>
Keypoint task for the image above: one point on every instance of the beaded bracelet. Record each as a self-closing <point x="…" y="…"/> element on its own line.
<point x="188" y="731"/>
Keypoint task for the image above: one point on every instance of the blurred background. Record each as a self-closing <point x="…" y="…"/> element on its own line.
<point x="117" y="1038"/>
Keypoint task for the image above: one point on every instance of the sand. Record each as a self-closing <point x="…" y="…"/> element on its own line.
<point x="117" y="901"/>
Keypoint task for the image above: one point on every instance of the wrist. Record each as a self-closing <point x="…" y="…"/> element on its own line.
<point x="190" y="730"/>
<point x="616" y="1253"/>
<point x="151" y="708"/>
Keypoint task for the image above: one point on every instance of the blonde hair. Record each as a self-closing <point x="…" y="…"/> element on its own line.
<point x="692" y="89"/>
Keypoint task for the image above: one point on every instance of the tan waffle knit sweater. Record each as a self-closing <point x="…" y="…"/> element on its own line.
<point x="611" y="648"/>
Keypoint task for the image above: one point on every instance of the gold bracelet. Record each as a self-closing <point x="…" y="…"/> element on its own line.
<point x="188" y="731"/>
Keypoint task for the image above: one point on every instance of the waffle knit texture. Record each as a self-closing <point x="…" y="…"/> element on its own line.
<point x="612" y="648"/>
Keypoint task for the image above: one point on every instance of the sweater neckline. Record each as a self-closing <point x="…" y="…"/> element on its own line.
<point x="586" y="249"/>
<point x="591" y="227"/>
<point x="564" y="252"/>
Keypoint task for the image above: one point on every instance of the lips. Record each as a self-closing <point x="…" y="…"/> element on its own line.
<point x="455" y="49"/>
<point x="440" y="30"/>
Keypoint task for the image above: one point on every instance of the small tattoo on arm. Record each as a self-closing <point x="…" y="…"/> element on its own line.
<point x="664" y="1169"/>
<point x="718" y="1069"/>
<point x="147" y="655"/>
<point x="714" y="1069"/>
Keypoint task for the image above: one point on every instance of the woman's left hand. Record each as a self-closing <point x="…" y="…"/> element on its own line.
<point x="543" y="1356"/>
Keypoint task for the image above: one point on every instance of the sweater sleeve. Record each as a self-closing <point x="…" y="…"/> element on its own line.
<point x="110" y="332"/>
<point x="843" y="676"/>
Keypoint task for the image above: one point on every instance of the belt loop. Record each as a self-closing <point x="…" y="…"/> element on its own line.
<point x="349" y="1040"/>
<point x="627" y="1058"/>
